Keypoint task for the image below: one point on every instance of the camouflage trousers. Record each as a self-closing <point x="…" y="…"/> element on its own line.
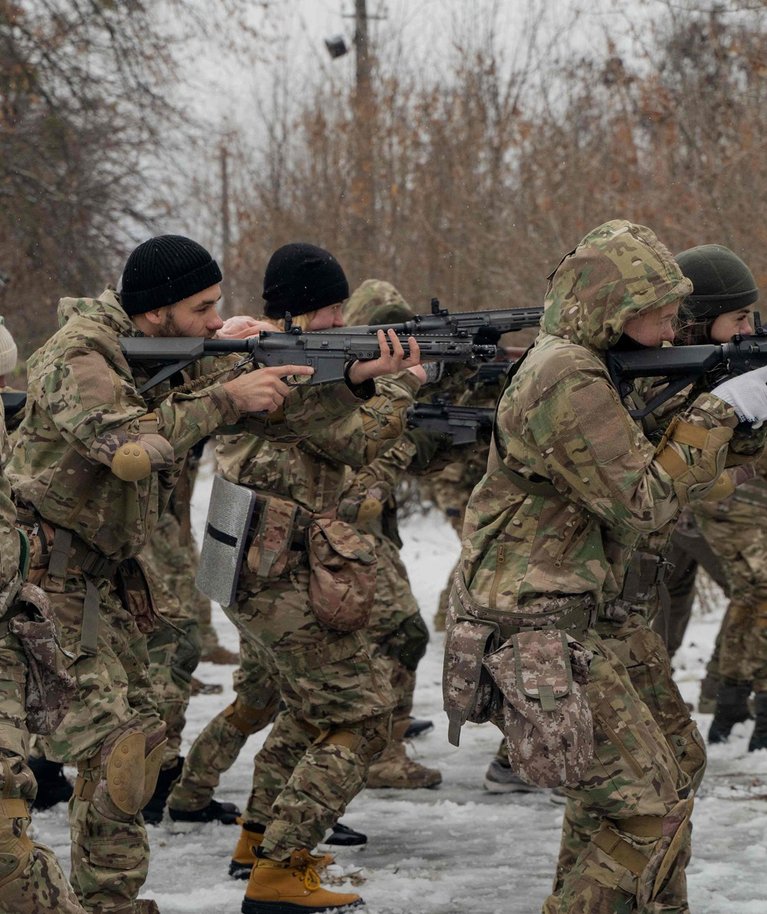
<point x="338" y="703"/>
<point x="174" y="649"/>
<point x="735" y="530"/>
<point x="31" y="879"/>
<point x="396" y="637"/>
<point x="648" y="756"/>
<point x="113" y="710"/>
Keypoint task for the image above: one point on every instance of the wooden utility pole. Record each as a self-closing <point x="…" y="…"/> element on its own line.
<point x="226" y="235"/>
<point x="364" y="110"/>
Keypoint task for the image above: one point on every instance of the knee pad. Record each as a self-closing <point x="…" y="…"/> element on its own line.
<point x="367" y="738"/>
<point x="123" y="771"/>
<point x="249" y="720"/>
<point x="414" y="636"/>
<point x="649" y="850"/>
<point x="15" y="843"/>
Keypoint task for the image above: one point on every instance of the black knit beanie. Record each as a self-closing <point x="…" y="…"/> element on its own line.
<point x="165" y="270"/>
<point x="300" y="278"/>
<point x="721" y="281"/>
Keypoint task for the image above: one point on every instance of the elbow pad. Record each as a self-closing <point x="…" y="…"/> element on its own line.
<point x="139" y="458"/>
<point x="693" y="481"/>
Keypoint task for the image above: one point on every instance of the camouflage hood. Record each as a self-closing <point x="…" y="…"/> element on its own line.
<point x="619" y="270"/>
<point x="376" y="302"/>
<point x="105" y="310"/>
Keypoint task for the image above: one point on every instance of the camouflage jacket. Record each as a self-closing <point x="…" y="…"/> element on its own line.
<point x="83" y="404"/>
<point x="9" y="539"/>
<point x="312" y="473"/>
<point x="561" y="424"/>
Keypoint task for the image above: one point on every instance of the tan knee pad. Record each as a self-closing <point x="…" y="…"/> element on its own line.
<point x="368" y="739"/>
<point x="660" y="840"/>
<point x="15" y="843"/>
<point x="247" y="719"/>
<point x="123" y="771"/>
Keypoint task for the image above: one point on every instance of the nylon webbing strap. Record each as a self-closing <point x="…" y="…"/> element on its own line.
<point x="89" y="631"/>
<point x="692" y="435"/>
<point x="60" y="553"/>
<point x="531" y="487"/>
<point x="14" y="808"/>
<point x="621" y="851"/>
<point x="671" y="462"/>
<point x="644" y="826"/>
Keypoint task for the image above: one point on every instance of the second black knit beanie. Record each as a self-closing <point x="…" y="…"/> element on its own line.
<point x="301" y="277"/>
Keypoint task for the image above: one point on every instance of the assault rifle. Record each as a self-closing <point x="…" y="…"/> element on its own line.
<point x="327" y="352"/>
<point x="13" y="401"/>
<point x="485" y="326"/>
<point x="705" y="366"/>
<point x="462" y="423"/>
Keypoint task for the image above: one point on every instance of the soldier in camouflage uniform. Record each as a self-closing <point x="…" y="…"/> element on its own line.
<point x="93" y="467"/>
<point x="31" y="880"/>
<point x="335" y="688"/>
<point x="396" y="630"/>
<point x="548" y="536"/>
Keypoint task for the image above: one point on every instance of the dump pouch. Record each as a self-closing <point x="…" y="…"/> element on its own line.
<point x="546" y="717"/>
<point x="49" y="687"/>
<point x="342" y="574"/>
<point x="468" y="690"/>
<point x="226" y="534"/>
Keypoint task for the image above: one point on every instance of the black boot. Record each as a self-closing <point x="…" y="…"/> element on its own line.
<point x="759" y="736"/>
<point x="731" y="709"/>
<point x="154" y="809"/>
<point x="225" y="813"/>
<point x="52" y="786"/>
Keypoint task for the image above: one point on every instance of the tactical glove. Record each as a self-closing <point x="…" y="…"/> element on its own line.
<point x="747" y="394"/>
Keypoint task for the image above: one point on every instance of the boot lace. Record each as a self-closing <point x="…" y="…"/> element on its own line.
<point x="303" y="860"/>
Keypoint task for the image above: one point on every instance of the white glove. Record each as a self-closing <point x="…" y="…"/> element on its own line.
<point x="747" y="394"/>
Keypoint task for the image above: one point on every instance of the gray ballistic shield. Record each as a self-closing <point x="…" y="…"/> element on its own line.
<point x="226" y="533"/>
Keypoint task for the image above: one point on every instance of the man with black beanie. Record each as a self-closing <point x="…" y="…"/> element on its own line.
<point x="94" y="465"/>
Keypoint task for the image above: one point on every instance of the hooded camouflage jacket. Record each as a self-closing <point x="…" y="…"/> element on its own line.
<point x="83" y="404"/>
<point x="312" y="473"/>
<point x="560" y="422"/>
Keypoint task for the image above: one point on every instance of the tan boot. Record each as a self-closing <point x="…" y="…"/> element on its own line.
<point x="291" y="887"/>
<point x="244" y="856"/>
<point x="395" y="769"/>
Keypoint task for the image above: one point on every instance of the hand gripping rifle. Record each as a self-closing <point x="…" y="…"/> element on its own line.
<point x="462" y="423"/>
<point x="704" y="366"/>
<point x="327" y="352"/>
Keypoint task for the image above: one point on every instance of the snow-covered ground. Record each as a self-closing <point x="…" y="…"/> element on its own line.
<point x="457" y="849"/>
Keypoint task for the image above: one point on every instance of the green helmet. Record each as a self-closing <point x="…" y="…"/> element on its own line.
<point x="721" y="281"/>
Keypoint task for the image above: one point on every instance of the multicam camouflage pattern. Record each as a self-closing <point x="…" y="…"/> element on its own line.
<point x="330" y="682"/>
<point x="376" y="301"/>
<point x="216" y="748"/>
<point x="531" y="550"/>
<point x="734" y="529"/>
<point x="31" y="880"/>
<point x="342" y="579"/>
<point x="82" y="404"/>
<point x="174" y="646"/>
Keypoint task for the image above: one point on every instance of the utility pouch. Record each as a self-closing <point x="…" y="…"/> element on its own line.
<point x="272" y="549"/>
<point x="136" y="594"/>
<point x="342" y="574"/>
<point x="49" y="688"/>
<point x="226" y="533"/>
<point x="547" y="720"/>
<point x="468" y="690"/>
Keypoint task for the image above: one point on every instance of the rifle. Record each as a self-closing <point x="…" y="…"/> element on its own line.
<point x="705" y="366"/>
<point x="462" y="423"/>
<point x="13" y="401"/>
<point x="493" y="322"/>
<point x="488" y="374"/>
<point x="325" y="351"/>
